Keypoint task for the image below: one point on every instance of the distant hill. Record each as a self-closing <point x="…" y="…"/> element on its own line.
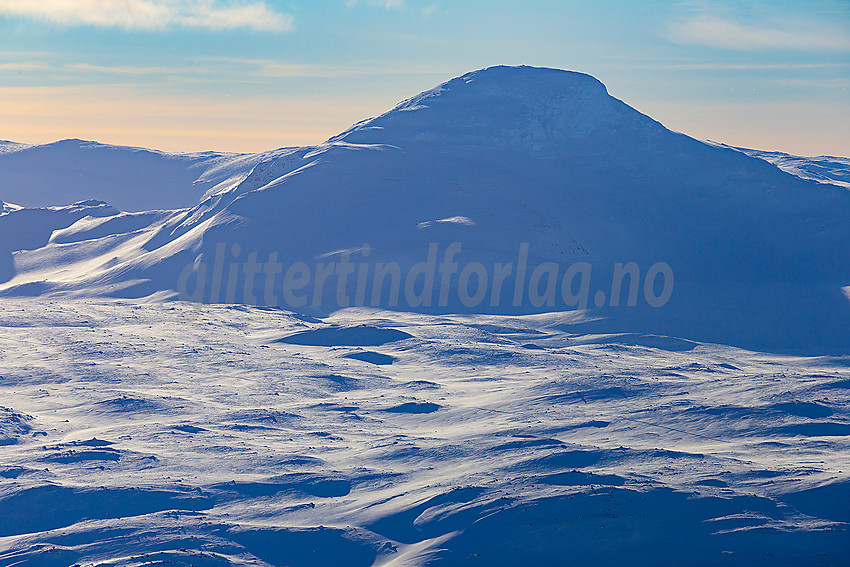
<point x="131" y="179"/>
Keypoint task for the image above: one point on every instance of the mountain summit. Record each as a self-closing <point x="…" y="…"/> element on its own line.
<point x="515" y="176"/>
<point x="518" y="108"/>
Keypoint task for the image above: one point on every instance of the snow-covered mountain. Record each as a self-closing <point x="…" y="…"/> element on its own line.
<point x="825" y="169"/>
<point x="548" y="419"/>
<point x="493" y="160"/>
<point x="131" y="179"/>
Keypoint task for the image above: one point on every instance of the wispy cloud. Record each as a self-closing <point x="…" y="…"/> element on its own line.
<point x="725" y="33"/>
<point x="388" y="4"/>
<point x="836" y="83"/>
<point x="272" y="68"/>
<point x="216" y="70"/>
<point x="747" y="66"/>
<point x="131" y="70"/>
<point x="151" y="15"/>
<point x="24" y="66"/>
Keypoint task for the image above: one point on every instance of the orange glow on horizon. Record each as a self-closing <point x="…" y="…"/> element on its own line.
<point x="38" y="115"/>
<point x="116" y="114"/>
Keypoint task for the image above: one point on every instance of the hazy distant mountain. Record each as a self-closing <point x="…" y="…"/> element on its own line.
<point x="825" y="169"/>
<point x="132" y="179"/>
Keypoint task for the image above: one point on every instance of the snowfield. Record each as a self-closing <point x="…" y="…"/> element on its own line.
<point x="148" y="434"/>
<point x="512" y="321"/>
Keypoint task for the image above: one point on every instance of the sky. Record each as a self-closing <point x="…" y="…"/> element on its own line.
<point x="252" y="75"/>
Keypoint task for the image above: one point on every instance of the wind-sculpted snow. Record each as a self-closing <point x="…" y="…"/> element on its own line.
<point x="138" y="433"/>
<point x="823" y="169"/>
<point x="6" y="208"/>
<point x="28" y="229"/>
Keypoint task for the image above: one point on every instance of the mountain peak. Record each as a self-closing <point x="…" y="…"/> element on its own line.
<point x="533" y="108"/>
<point x="505" y="165"/>
<point x="522" y="82"/>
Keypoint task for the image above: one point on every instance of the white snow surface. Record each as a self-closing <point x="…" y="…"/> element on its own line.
<point x="823" y="169"/>
<point x="176" y="433"/>
<point x="8" y="208"/>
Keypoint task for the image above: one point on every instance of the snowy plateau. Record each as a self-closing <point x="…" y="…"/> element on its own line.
<point x="512" y="321"/>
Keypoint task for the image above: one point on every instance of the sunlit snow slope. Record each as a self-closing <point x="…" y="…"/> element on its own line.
<point x="199" y="435"/>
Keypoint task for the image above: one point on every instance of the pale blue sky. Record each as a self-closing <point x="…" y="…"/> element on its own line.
<point x="249" y="75"/>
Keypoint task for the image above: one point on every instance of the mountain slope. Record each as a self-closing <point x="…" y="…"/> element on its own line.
<point x="494" y="160"/>
<point x="824" y="169"/>
<point x="131" y="179"/>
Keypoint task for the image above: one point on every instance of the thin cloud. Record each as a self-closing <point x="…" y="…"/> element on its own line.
<point x="131" y="70"/>
<point x="281" y="69"/>
<point x="746" y="67"/>
<point x="23" y="66"/>
<point x="719" y="66"/>
<point x="274" y="68"/>
<point x="815" y="83"/>
<point x="752" y="67"/>
<point x="713" y="31"/>
<point x="151" y="15"/>
<point x="388" y="4"/>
